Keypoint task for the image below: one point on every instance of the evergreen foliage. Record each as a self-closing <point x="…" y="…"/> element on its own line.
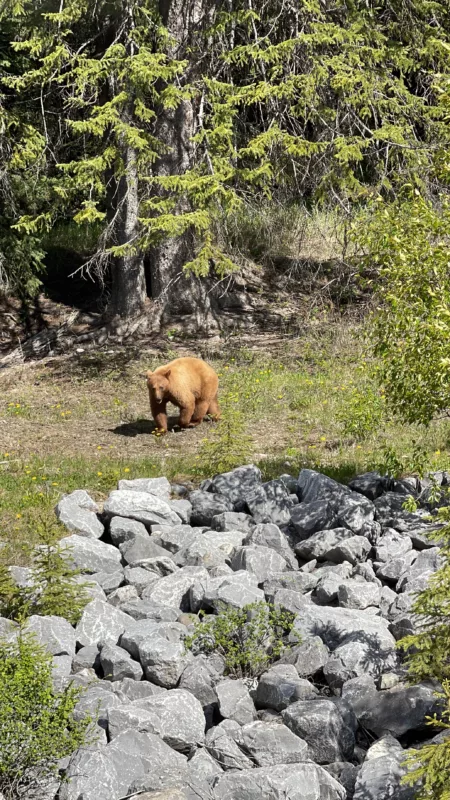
<point x="37" y="727"/>
<point x="53" y="588"/>
<point x="248" y="638"/>
<point x="159" y="124"/>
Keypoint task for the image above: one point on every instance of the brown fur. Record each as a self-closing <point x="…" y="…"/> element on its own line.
<point x="189" y="383"/>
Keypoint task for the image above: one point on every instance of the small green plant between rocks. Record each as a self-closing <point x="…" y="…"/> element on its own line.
<point x="37" y="727"/>
<point x="249" y="638"/>
<point x="53" y="588"/>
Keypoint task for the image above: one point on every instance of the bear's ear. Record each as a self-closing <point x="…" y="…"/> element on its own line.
<point x="148" y="374"/>
<point x="167" y="373"/>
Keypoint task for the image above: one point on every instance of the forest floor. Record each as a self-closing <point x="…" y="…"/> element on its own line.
<point x="83" y="420"/>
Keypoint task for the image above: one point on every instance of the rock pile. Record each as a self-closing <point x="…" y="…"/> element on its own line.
<point x="329" y="721"/>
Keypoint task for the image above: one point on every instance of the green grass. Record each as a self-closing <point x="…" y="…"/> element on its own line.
<point x="311" y="404"/>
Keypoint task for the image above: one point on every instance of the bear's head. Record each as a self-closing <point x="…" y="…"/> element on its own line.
<point x="158" y="384"/>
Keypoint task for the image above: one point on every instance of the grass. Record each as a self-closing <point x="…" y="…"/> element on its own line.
<point x="84" y="422"/>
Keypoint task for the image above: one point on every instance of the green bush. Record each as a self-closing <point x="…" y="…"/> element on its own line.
<point x="53" y="589"/>
<point x="249" y="638"/>
<point x="37" y="727"/>
<point x="229" y="445"/>
<point x="408" y="245"/>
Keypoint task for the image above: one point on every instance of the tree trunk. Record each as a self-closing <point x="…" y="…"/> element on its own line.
<point x="176" y="293"/>
<point x="128" y="292"/>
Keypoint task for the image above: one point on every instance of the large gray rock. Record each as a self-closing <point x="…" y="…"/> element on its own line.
<point x="301" y="582"/>
<point x="391" y="514"/>
<point x="202" y="766"/>
<point x="96" y="702"/>
<point x="109" y="581"/>
<point x="101" y="622"/>
<point x="123" y="595"/>
<point x="225" y="541"/>
<point x="78" y="512"/>
<point x="129" y="690"/>
<point x="140" y="632"/>
<point x="321" y="725"/>
<point x="121" y="529"/>
<point x="134" y="754"/>
<point x="87" y="658"/>
<point x="337" y="545"/>
<point x="142" y="506"/>
<point x="397" y="711"/>
<point x="309" y="518"/>
<point x="221" y="745"/>
<point x="140" y="548"/>
<point x="91" y="775"/>
<point x="391" y="545"/>
<point x="270" y="743"/>
<point x="233" y="521"/>
<point x="308" y="658"/>
<point x="283" y="782"/>
<point x="354" y="658"/>
<point x="91" y="555"/>
<point x="391" y="571"/>
<point x="177" y="538"/>
<point x="345" y="508"/>
<point x="174" y="590"/>
<point x="199" y="678"/>
<point x="280" y="686"/>
<point x="358" y="594"/>
<point x="163" y="661"/>
<point x="235" y="702"/>
<point x="416" y="577"/>
<point x="238" y="590"/>
<point x="56" y="634"/>
<point x="270" y="503"/>
<point x="380" y="777"/>
<point x="176" y="716"/>
<point x="370" y="484"/>
<point x="269" y="535"/>
<point x="140" y="578"/>
<point x="143" y="609"/>
<point x="156" y="486"/>
<point x="237" y="484"/>
<point x="206" y="506"/>
<point x="260" y="561"/>
<point x="183" y="508"/>
<point x="201" y="552"/>
<point x="335" y="626"/>
<point x="117" y="664"/>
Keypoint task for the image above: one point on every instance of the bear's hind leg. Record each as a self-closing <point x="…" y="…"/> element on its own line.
<point x="213" y="409"/>
<point x="201" y="408"/>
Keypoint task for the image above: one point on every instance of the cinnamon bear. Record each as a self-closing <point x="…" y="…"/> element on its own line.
<point x="189" y="383"/>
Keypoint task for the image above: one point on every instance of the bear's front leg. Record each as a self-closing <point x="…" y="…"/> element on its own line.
<point x="186" y="413"/>
<point x="159" y="414"/>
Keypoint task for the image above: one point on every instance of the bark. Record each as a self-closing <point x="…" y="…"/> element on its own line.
<point x="128" y="293"/>
<point x="176" y="293"/>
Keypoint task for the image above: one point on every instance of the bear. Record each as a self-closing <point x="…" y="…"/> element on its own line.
<point x="189" y="383"/>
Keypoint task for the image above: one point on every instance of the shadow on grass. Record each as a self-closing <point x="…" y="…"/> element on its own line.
<point x="144" y="426"/>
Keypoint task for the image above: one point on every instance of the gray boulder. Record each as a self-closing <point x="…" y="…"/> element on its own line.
<point x="233" y="521"/>
<point x="301" y="582"/>
<point x="321" y="725"/>
<point x="238" y="590"/>
<point x="260" y="561"/>
<point x="282" y="782"/>
<point x="235" y="702"/>
<point x="156" y="486"/>
<point x="199" y="678"/>
<point x="336" y="545"/>
<point x="354" y="658"/>
<point x="270" y="502"/>
<point x="143" y="609"/>
<point x="206" y="506"/>
<point x="391" y="545"/>
<point x="101" y="622"/>
<point x="358" y="594"/>
<point x="56" y="634"/>
<point x="177" y="538"/>
<point x="225" y="541"/>
<point x="87" y="658"/>
<point x="183" y="508"/>
<point x="122" y="595"/>
<point x="269" y="535"/>
<point x="129" y="690"/>
<point x="380" y="777"/>
<point x="117" y="664"/>
<point x="142" y="506"/>
<point x="91" y="555"/>
<point x="140" y="632"/>
<point x="399" y="710"/>
<point x="78" y="512"/>
<point x="174" y="590"/>
<point x="121" y="529"/>
<point x="140" y="578"/>
<point x="308" y="658"/>
<point x="309" y="518"/>
<point x="280" y="686"/>
<point x="163" y="661"/>
<point x="237" y="484"/>
<point x="203" y="767"/>
<point x="176" y="716"/>
<point x="139" y="548"/>
<point x="391" y="571"/>
<point x="91" y="775"/>
<point x="201" y="551"/>
<point x="134" y="754"/>
<point x="96" y="702"/>
<point x="109" y="581"/>
<point x="370" y="484"/>
<point x="270" y="743"/>
<point x="222" y="747"/>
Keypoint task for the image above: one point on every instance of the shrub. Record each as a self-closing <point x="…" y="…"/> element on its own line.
<point x="249" y="638"/>
<point x="37" y="727"/>
<point x="229" y="445"/>
<point x="428" y="657"/>
<point x="53" y="589"/>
